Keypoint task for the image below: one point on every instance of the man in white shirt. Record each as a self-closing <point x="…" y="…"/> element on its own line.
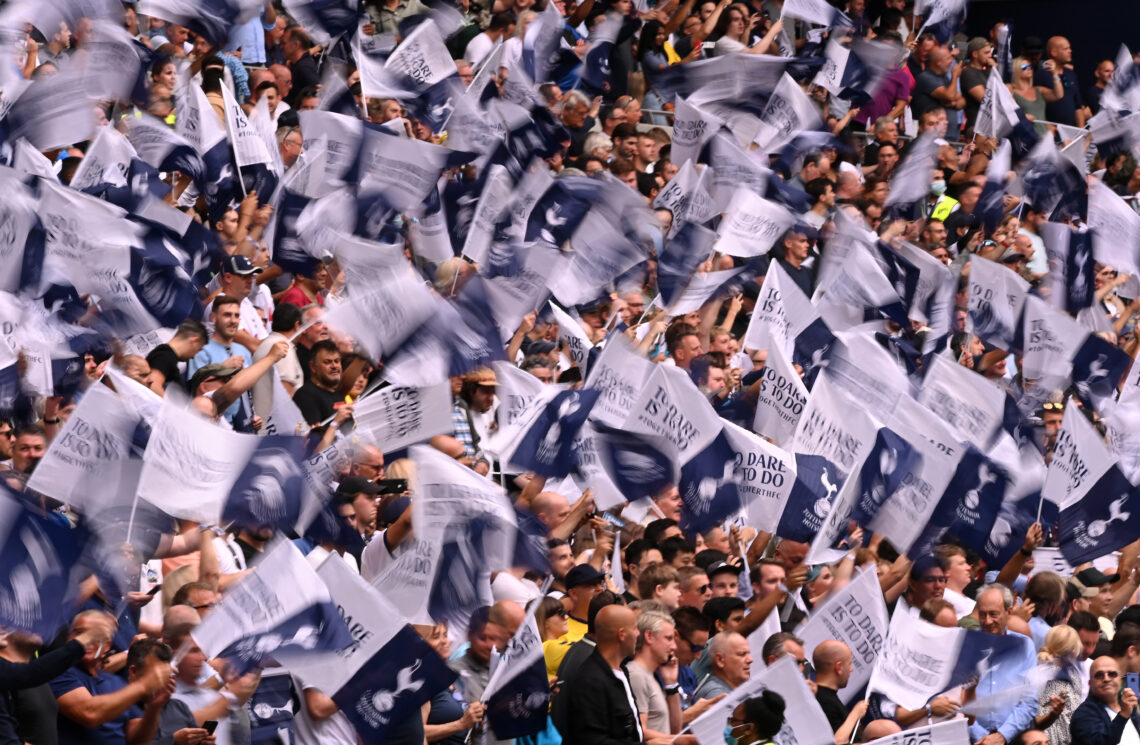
<point x="502" y="26"/>
<point x="286" y="321"/>
<point x="236" y="280"/>
<point x="958" y="575"/>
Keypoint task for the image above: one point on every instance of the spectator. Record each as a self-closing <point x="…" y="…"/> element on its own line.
<point x="1108" y="715"/>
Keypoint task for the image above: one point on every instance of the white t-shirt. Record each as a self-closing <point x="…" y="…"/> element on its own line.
<point x="478" y="48"/>
<point x="376" y="557"/>
<point x="335" y="730"/>
<point x="963" y="606"/>
<point x="317" y="556"/>
<point x="1130" y="736"/>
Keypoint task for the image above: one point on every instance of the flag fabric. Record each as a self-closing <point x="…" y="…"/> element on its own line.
<point x="692" y="128"/>
<point x="708" y="486"/>
<point x="1098" y="367"/>
<point x="571" y="333"/>
<point x="546" y="432"/>
<point x="765" y="475"/>
<point x="941" y="18"/>
<point x="911" y="181"/>
<point x="1114" y="226"/>
<point x="857" y="616"/>
<point x="753" y="224"/>
<point x="40" y="557"/>
<point x="816" y="11"/>
<point x="782" y="312"/>
<point x="789" y="111"/>
<point x="997" y="113"/>
<point x="518" y="693"/>
<point x="1050" y="339"/>
<point x="596" y="70"/>
<point x="996" y="297"/>
<point x="668" y="408"/>
<point x="1070" y="254"/>
<point x="969" y="506"/>
<point x="395" y="417"/>
<point x="963" y="400"/>
<point x="618" y="374"/>
<point x="381" y="319"/>
<point x="1099" y="516"/>
<point x="281" y="604"/>
<point x="639" y="465"/>
<point x="682" y="255"/>
<point x="268" y="490"/>
<point x="781" y="398"/>
<point x="804" y="720"/>
<point x="920" y="660"/>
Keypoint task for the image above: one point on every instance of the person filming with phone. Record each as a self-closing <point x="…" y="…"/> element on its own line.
<point x="1108" y="716"/>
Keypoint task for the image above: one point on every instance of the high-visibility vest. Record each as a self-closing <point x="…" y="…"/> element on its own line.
<point x="943" y="207"/>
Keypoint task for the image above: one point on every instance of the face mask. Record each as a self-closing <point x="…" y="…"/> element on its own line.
<point x="938" y="188"/>
<point x="728" y="737"/>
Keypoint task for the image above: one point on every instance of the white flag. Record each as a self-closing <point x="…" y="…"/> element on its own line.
<point x="515" y="390"/>
<point x="1080" y="457"/>
<point x="997" y="114"/>
<point x="619" y="374"/>
<point x="87" y="461"/>
<point x="1051" y="338"/>
<point x="856" y="616"/>
<point x="764" y="474"/>
<point x="964" y="400"/>
<point x="282" y="585"/>
<point x="782" y="312"/>
<point x="387" y="314"/>
<point x="371" y="619"/>
<point x="106" y="161"/>
<point x="190" y="464"/>
<point x="692" y="128"/>
<point x="571" y="333"/>
<point x="953" y="732"/>
<point x="246" y="141"/>
<point x="789" y="112"/>
<point x="781" y="399"/>
<point x="995" y="300"/>
<point x="284" y="418"/>
<point x="671" y="407"/>
<point x="1117" y="229"/>
<point x="395" y="417"/>
<point x="804" y="720"/>
<point x="422" y="56"/>
<point x="835" y="426"/>
<point x="752" y="224"/>
<point x="830" y="75"/>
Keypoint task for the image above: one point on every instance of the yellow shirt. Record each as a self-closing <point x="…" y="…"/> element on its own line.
<point x="671" y="55"/>
<point x="575" y="630"/>
<point x="554" y="651"/>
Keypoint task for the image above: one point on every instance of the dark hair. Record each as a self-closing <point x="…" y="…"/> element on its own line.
<point x="766" y="713"/>
<point x="553" y="543"/>
<point x="699" y="368"/>
<point x="777" y="643"/>
<point x="646" y="43"/>
<point x="601" y="600"/>
<point x="309" y="91"/>
<point x="221" y="300"/>
<point x="479" y="619"/>
<point x="670" y="547"/>
<point x="501" y="21"/>
<point x="657" y="528"/>
<point x="688" y="619"/>
<point x="624" y="131"/>
<point x="324" y="345"/>
<point x="1131" y="614"/>
<point x="141" y="650"/>
<point x="1128" y="635"/>
<point x="31" y="429"/>
<point x="286" y="316"/>
<point x="212" y="80"/>
<point x="266" y="85"/>
<point x="191" y="329"/>
<point x="817" y="187"/>
<point x="635" y="550"/>
<point x="673" y="337"/>
<point x="719" y="609"/>
<point x="1082" y="620"/>
<point x="297" y="34"/>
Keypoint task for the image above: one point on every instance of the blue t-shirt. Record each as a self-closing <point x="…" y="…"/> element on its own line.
<point x="1063" y="111"/>
<point x="215" y="353"/>
<point x="113" y="732"/>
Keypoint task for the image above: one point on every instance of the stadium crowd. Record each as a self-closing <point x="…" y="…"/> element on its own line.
<point x="648" y="613"/>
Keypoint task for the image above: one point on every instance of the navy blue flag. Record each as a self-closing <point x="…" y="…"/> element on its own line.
<point x="435" y="103"/>
<point x="811" y="498"/>
<point x="901" y="272"/>
<point x="530" y="542"/>
<point x="1106" y="518"/>
<point x="1011" y="525"/>
<point x="556" y="216"/>
<point x="268" y="490"/>
<point x="708" y="487"/>
<point x="67" y="375"/>
<point x="375" y="218"/>
<point x="219" y="183"/>
<point x="319" y="628"/>
<point x="163" y="287"/>
<point x="214" y="20"/>
<point x="38" y="556"/>
<point x="548" y="446"/>
<point x="336" y="17"/>
<point x="391" y="687"/>
<point x="990" y="207"/>
<point x="969" y="506"/>
<point x="1022" y="138"/>
<point x="596" y="70"/>
<point x="519" y="708"/>
<point x="329" y="527"/>
<point x="473" y="341"/>
<point x="1098" y="367"/>
<point x="639" y="465"/>
<point x="1057" y="187"/>
<point x="813" y="346"/>
<point x="982" y="651"/>
<point x="287" y="250"/>
<point x="1080" y="272"/>
<point x="890" y="461"/>
<point x="680" y="258"/>
<point x="944" y="19"/>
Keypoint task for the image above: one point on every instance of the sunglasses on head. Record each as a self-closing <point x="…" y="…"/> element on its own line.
<point x="1050" y="406"/>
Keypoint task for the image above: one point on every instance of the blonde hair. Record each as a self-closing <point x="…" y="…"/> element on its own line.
<point x="1060" y="643"/>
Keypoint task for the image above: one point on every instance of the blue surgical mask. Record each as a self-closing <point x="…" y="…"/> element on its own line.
<point x="728" y="738"/>
<point x="938" y="188"/>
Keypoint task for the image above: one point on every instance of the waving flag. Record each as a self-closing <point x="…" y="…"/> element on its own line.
<point x="752" y="225"/>
<point x="692" y="128"/>
<point x="782" y="312"/>
<point x="942" y="18"/>
<point x="395" y="417"/>
<point x="997" y="114"/>
<point x="39" y="557"/>
<point x="1098" y="367"/>
<point x="995" y="300"/>
<point x="268" y="490"/>
<point x="788" y="112"/>
<point x="970" y="505"/>
<point x="518" y="692"/>
<point x="547" y="432"/>
<point x="280" y="606"/>
<point x="325" y="20"/>
<point x="640" y="466"/>
<point x="708" y="486"/>
<point x="596" y="71"/>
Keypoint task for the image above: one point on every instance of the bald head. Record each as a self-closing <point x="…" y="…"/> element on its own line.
<point x="508" y="614"/>
<point x="828" y="653"/>
<point x="551" y="508"/>
<point x="610" y="621"/>
<point x="180" y="615"/>
<point x="832" y="661"/>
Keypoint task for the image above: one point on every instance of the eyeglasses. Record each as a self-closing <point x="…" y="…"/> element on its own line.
<point x="1110" y="674"/>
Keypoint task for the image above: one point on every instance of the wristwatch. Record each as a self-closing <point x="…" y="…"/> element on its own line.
<point x="672" y="689"/>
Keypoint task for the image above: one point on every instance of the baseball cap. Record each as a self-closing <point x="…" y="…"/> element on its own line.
<point x="356" y="485"/>
<point x="394" y="509"/>
<point x="976" y="44"/>
<point x="241" y="265"/>
<point x="206" y="372"/>
<point x="1074" y="590"/>
<point x="721" y="567"/>
<point x="583" y="574"/>
<point x="1093" y="577"/>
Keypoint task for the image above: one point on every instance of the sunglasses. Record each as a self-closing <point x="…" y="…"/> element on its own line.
<point x="1049" y="406"/>
<point x="702" y="589"/>
<point x="1110" y="674"/>
<point x="1026" y="67"/>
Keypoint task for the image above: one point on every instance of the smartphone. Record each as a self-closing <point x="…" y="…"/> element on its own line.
<point x="1132" y="680"/>
<point x="154" y="589"/>
<point x="210" y="726"/>
<point x="392" y="486"/>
